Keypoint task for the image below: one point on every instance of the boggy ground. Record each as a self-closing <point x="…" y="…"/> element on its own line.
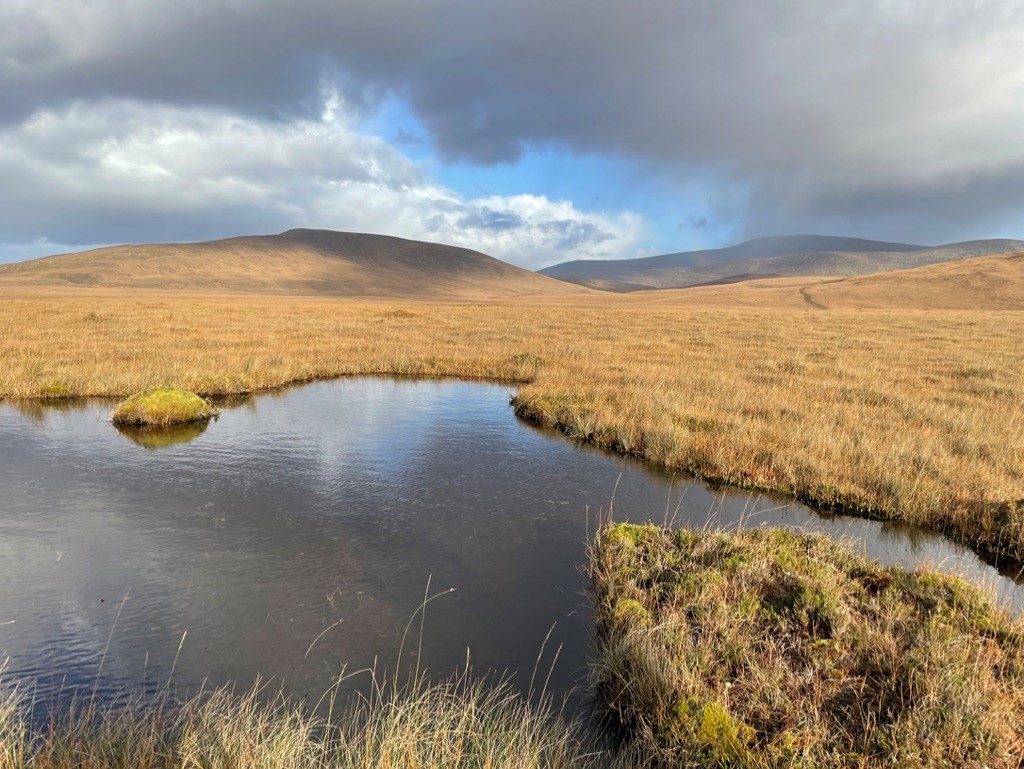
<point x="772" y="649"/>
<point x="908" y="415"/>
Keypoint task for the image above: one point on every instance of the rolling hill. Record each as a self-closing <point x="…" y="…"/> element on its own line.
<point x="979" y="283"/>
<point x="783" y="256"/>
<point x="310" y="262"/>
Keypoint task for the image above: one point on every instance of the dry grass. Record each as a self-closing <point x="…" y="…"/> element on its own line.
<point x="771" y="649"/>
<point x="458" y="724"/>
<point x="909" y="415"/>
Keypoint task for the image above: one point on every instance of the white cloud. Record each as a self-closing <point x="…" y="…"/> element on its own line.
<point x="124" y="170"/>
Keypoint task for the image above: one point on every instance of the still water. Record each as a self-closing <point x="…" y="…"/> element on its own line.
<point x="297" y="536"/>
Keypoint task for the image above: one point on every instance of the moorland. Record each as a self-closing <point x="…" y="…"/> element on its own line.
<point x="896" y="395"/>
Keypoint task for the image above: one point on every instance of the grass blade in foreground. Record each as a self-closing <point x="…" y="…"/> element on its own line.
<point x="458" y="724"/>
<point x="767" y="648"/>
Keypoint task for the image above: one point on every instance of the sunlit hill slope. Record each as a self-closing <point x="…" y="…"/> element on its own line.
<point x="979" y="283"/>
<point x="314" y="262"/>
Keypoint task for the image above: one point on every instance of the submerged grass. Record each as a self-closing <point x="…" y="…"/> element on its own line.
<point x="773" y="649"/>
<point x="162" y="407"/>
<point x="915" y="416"/>
<point x="458" y="724"/>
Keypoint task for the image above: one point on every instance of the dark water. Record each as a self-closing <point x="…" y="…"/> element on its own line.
<point x="328" y="508"/>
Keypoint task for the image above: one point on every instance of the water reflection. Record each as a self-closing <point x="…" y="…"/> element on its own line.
<point x="156" y="437"/>
<point x="37" y="410"/>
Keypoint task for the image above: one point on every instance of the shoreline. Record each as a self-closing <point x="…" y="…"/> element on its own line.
<point x="889" y="426"/>
<point x="527" y="411"/>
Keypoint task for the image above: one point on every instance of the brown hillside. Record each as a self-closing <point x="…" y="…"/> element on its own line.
<point x="978" y="283"/>
<point x="295" y="262"/>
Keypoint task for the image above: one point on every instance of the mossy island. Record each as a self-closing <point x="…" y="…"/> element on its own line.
<point x="773" y="649"/>
<point x="162" y="407"/>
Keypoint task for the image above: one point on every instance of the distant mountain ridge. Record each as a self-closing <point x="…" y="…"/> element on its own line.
<point x="299" y="261"/>
<point x="776" y="256"/>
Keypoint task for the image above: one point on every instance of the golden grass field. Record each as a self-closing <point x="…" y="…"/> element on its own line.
<point x="910" y="415"/>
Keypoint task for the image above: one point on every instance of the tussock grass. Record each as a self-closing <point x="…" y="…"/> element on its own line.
<point x="772" y="649"/>
<point x="459" y="724"/>
<point x="868" y="412"/>
<point x="53" y="391"/>
<point x="162" y="407"/>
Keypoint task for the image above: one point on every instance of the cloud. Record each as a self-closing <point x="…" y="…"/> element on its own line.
<point x="812" y="113"/>
<point x="120" y="170"/>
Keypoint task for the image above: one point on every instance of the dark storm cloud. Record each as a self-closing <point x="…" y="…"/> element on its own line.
<point x="951" y="207"/>
<point x="806" y="106"/>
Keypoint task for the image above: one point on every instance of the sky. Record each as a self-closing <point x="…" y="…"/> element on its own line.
<point x="535" y="131"/>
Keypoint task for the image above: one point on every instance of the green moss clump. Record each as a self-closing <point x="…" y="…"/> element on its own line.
<point x="722" y="739"/>
<point x="54" y="391"/>
<point x="628" y="535"/>
<point x="162" y="406"/>
<point x="629" y="611"/>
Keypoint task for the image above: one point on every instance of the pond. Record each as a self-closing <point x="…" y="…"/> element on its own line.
<point x="296" y="537"/>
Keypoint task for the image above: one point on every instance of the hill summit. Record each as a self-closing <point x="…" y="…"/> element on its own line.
<point x="299" y="261"/>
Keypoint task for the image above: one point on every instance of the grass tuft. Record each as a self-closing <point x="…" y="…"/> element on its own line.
<point x="54" y="391"/>
<point x="161" y="407"/>
<point x="457" y="724"/>
<point x="773" y="649"/>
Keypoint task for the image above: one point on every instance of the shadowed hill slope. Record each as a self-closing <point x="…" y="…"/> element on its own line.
<point x="979" y="283"/>
<point x="787" y="256"/>
<point x="294" y="262"/>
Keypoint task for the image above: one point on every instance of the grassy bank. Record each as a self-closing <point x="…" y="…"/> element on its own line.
<point x="454" y="725"/>
<point x="915" y="415"/>
<point x="770" y="649"/>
